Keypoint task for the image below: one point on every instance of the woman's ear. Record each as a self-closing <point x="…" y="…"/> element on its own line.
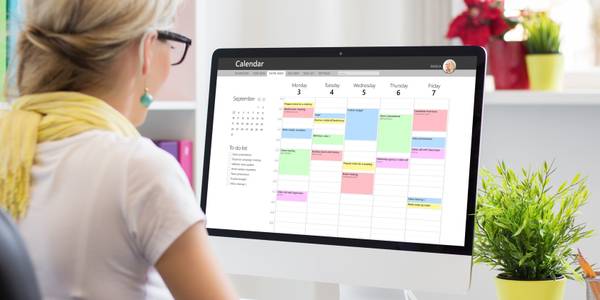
<point x="149" y="40"/>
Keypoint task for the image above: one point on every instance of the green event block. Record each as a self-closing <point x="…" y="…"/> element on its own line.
<point x="294" y="162"/>
<point x="394" y="133"/>
<point x="328" y="139"/>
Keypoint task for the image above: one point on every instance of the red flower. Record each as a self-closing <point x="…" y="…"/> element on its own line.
<point x="482" y="20"/>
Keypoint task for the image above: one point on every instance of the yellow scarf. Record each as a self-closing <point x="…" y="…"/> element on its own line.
<point x="41" y="118"/>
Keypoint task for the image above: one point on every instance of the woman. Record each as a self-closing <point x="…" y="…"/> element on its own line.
<point x="100" y="208"/>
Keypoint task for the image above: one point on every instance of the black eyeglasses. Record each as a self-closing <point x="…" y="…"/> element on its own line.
<point x="180" y="48"/>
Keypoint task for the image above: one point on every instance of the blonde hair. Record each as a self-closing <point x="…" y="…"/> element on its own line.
<point x="69" y="45"/>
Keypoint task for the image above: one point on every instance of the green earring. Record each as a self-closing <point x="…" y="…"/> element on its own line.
<point x="146" y="98"/>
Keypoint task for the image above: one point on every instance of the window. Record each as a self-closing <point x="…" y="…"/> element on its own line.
<point x="580" y="28"/>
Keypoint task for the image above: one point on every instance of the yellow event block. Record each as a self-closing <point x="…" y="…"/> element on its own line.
<point x="425" y="205"/>
<point x="359" y="166"/>
<point x="329" y="121"/>
<point x="298" y="105"/>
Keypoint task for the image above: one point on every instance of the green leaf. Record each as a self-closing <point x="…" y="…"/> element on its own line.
<point x="543" y="35"/>
<point x="519" y="232"/>
<point x="521" y="228"/>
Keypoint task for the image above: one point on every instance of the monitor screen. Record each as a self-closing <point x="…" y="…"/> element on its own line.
<point x="357" y="148"/>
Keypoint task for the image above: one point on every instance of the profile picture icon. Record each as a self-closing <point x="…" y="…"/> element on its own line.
<point x="449" y="66"/>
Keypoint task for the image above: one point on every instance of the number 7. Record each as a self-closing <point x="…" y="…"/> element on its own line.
<point x="433" y="92"/>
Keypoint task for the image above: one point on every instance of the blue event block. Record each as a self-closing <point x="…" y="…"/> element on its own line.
<point x="329" y="116"/>
<point x="361" y="124"/>
<point x="296" y="133"/>
<point x="425" y="200"/>
<point x="428" y="142"/>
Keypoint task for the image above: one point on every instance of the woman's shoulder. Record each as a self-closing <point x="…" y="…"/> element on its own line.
<point x="139" y="153"/>
<point x="133" y="153"/>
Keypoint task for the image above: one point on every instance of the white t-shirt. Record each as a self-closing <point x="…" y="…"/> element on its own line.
<point x="103" y="209"/>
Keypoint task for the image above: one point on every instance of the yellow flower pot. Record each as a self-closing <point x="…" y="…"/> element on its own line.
<point x="530" y="289"/>
<point x="545" y="71"/>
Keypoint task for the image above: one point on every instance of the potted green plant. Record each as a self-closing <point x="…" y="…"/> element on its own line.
<point x="525" y="229"/>
<point x="544" y="61"/>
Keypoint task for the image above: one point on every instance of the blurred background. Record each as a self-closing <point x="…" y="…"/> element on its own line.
<point x="527" y="119"/>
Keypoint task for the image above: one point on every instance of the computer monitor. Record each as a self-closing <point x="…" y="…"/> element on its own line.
<point x="345" y="165"/>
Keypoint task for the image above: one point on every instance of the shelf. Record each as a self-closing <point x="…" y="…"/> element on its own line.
<point x="166" y="105"/>
<point x="535" y="98"/>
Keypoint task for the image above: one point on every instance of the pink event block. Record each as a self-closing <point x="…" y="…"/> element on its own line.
<point x="430" y="120"/>
<point x="428" y="153"/>
<point x="326" y="155"/>
<point x="357" y="183"/>
<point x="298" y="112"/>
<point x="394" y="163"/>
<point x="291" y="196"/>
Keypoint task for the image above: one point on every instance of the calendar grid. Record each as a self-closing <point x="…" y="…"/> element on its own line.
<point x="419" y="207"/>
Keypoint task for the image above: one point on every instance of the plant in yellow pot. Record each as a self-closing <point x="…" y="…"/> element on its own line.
<point x="525" y="228"/>
<point x="543" y="59"/>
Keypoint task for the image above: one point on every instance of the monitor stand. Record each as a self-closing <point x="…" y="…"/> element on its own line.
<point x="348" y="292"/>
<point x="262" y="288"/>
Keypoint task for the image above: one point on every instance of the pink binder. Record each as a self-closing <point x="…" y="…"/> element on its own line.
<point x="186" y="159"/>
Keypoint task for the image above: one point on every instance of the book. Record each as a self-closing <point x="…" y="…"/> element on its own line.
<point x="182" y="151"/>
<point x="13" y="8"/>
<point x="186" y="159"/>
<point x="13" y="28"/>
<point x="3" y="46"/>
<point x="172" y="147"/>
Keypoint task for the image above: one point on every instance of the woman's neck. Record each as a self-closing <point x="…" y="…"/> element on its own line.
<point x="117" y="98"/>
